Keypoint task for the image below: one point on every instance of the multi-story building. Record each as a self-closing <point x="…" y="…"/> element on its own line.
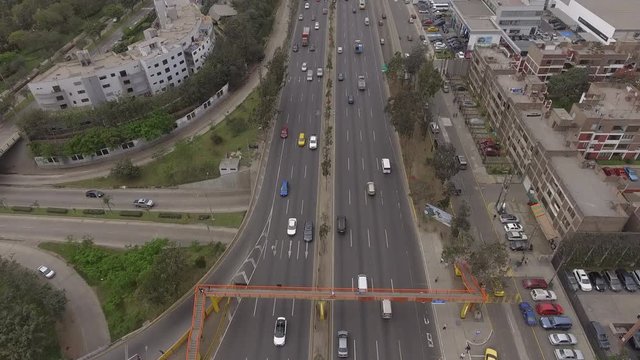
<point x="545" y="59"/>
<point x="607" y="122"/>
<point x="575" y="197"/>
<point x="517" y="16"/>
<point x="165" y="58"/>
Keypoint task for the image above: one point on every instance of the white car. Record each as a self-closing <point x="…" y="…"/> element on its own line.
<point x="317" y="26"/>
<point x="565" y="354"/>
<point x="280" y="332"/>
<point x="439" y="46"/>
<point x="343" y="344"/>
<point x="339" y="49"/>
<point x="513" y="227"/>
<point x="143" y="203"/>
<point x="46" y="272"/>
<point x="313" y="142"/>
<point x="304" y="66"/>
<point x="320" y="72"/>
<point x="508" y="218"/>
<point x="583" y="279"/>
<point x="543" y="295"/>
<point x="306" y="5"/>
<point x="300" y="17"/>
<point x="562" y="339"/>
<point x="292" y="225"/>
<point x="460" y="55"/>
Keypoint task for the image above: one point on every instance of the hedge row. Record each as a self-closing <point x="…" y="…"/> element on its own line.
<point x="169" y="215"/>
<point x="22" y="208"/>
<point x="57" y="210"/>
<point x="93" y="212"/>
<point x="131" y="213"/>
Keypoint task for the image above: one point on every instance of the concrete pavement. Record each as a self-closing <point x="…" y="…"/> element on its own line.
<point x="83" y="327"/>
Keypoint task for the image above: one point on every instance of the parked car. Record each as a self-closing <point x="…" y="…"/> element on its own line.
<point x="143" y="203"/>
<point x="534" y="283"/>
<point x="562" y="339"/>
<point x="597" y="281"/>
<point x="636" y="276"/>
<point x="515" y="235"/>
<point x="527" y="313"/>
<point x="543" y="295"/>
<point x="489" y="151"/>
<point x="612" y="280"/>
<point x="513" y="227"/>
<point x="549" y="309"/>
<point x="343" y="344"/>
<point x="631" y="173"/>
<point x="571" y="280"/>
<point x="600" y="335"/>
<point x="556" y="322"/>
<point x="520" y="245"/>
<point x="508" y="218"/>
<point x="583" y="279"/>
<point x="94" y="194"/>
<point x="568" y="354"/>
<point x="46" y="272"/>
<point x="432" y="29"/>
<point x="292" y="226"/>
<point x="627" y="280"/>
<point x="284" y="133"/>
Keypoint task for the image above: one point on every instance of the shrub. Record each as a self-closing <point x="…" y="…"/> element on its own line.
<point x="216" y="139"/>
<point x="124" y="169"/>
<point x="200" y="262"/>
<point x="204" y="217"/>
<point x="57" y="210"/>
<point x="131" y="213"/>
<point x="93" y="212"/>
<point x="167" y="215"/>
<point x="237" y="125"/>
<point x="22" y="208"/>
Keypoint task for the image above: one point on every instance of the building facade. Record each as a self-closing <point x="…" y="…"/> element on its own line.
<point x="535" y="136"/>
<point x="165" y="58"/>
<point x="517" y="16"/>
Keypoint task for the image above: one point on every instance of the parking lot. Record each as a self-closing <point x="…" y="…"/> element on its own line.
<point x="438" y="32"/>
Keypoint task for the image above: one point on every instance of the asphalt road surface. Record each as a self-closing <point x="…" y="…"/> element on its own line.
<point x="380" y="241"/>
<point x="114" y="233"/>
<point x="199" y="200"/>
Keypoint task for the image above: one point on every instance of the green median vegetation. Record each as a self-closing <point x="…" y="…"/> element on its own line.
<point x="136" y="284"/>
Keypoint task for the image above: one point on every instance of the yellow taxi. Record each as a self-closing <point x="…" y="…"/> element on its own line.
<point x="498" y="288"/>
<point x="301" y="140"/>
<point x="490" y="354"/>
<point x="432" y="29"/>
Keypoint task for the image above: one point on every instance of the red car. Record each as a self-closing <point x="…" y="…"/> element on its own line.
<point x="489" y="151"/>
<point x="284" y="133"/>
<point x="489" y="143"/>
<point x="427" y="22"/>
<point x="535" y="283"/>
<point x="549" y="309"/>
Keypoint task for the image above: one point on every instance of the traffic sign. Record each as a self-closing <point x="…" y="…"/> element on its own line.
<point x="438" y="301"/>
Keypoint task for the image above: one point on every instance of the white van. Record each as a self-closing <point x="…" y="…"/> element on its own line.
<point x="386" y="166"/>
<point x="309" y="75"/>
<point x="385" y="304"/>
<point x="362" y="284"/>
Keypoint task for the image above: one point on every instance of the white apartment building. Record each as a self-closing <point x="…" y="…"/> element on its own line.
<point x="517" y="17"/>
<point x="165" y="58"/>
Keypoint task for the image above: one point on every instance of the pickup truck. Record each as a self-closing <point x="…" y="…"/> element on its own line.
<point x="361" y="82"/>
<point x="280" y="332"/>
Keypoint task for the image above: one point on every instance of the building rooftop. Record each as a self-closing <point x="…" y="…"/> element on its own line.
<point x="74" y="68"/>
<point x="611" y="101"/>
<point x="495" y="57"/>
<point x="519" y="88"/>
<point x="541" y="132"/>
<point x="623" y="15"/>
<point x="593" y="196"/>
<point x="472" y="8"/>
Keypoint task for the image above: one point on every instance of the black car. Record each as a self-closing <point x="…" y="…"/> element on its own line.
<point x="308" y="231"/>
<point x="597" y="281"/>
<point x="350" y="99"/>
<point x="94" y="194"/>
<point x="627" y="280"/>
<point x="341" y="224"/>
<point x="520" y="245"/>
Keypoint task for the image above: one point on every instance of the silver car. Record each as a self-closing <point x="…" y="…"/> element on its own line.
<point x="144" y="203"/>
<point x="308" y="231"/>
<point x="343" y="344"/>
<point x="46" y="272"/>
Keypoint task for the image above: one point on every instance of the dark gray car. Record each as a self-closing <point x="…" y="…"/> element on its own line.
<point x="307" y="234"/>
<point x="627" y="281"/>
<point x="597" y="281"/>
<point x="612" y="280"/>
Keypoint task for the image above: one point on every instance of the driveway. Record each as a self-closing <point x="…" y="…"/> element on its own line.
<point x="84" y="327"/>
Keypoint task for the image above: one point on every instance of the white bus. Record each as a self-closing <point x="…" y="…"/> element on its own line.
<point x="440" y="7"/>
<point x="362" y="4"/>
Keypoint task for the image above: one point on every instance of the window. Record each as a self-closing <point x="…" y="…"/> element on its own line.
<point x="167" y="70"/>
<point x="106" y="86"/>
<point x="64" y="106"/>
<point x="77" y="157"/>
<point x="127" y="145"/>
<point x="613" y="137"/>
<point x="158" y="73"/>
<point x="617" y="128"/>
<point x="165" y="62"/>
<point x="81" y="91"/>
<point x="102" y="77"/>
<point x="102" y="152"/>
<point x="123" y="73"/>
<point x="129" y="90"/>
<point x="633" y="128"/>
<point x="127" y="82"/>
<point x="84" y="100"/>
<point x="622" y="146"/>
<point x="608" y="146"/>
<point x="156" y="65"/>
<point x="169" y="78"/>
<point x="56" y="88"/>
<point x="59" y="97"/>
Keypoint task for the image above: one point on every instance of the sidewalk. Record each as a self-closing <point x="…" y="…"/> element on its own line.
<point x="199" y="127"/>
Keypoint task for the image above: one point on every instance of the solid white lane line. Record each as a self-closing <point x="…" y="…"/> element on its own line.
<point x="368" y="237"/>
<point x="293" y="307"/>
<point x="400" y="349"/>
<point x="349" y="196"/>
<point x="305" y="171"/>
<point x="392" y="285"/>
<point x="273" y="311"/>
<point x="287" y="209"/>
<point x="302" y="208"/>
<point x="377" y="351"/>
<point x="350" y="238"/>
<point x="386" y="238"/>
<point x="255" y="307"/>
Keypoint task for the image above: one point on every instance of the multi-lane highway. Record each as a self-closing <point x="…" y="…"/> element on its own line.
<point x="285" y="259"/>
<point x="380" y="241"/>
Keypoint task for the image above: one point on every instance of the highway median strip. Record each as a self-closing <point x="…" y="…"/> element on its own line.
<point x="230" y="219"/>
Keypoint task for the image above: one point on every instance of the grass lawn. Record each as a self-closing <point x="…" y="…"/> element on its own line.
<point x="190" y="161"/>
<point x="618" y="162"/>
<point x="230" y="220"/>
<point x="122" y="278"/>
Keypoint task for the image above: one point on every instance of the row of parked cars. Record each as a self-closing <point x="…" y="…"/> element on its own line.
<point x="514" y="233"/>
<point x="551" y="318"/>
<point x="607" y="279"/>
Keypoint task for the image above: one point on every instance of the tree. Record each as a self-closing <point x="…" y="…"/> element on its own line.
<point x="566" y="88"/>
<point x="162" y="281"/>
<point x="124" y="169"/>
<point x="416" y="58"/>
<point x="94" y="29"/>
<point x="429" y="80"/>
<point x="444" y="162"/>
<point x="114" y="11"/>
<point x="106" y="200"/>
<point x="460" y="222"/>
<point x="405" y="111"/>
<point x="396" y="65"/>
<point x="488" y="261"/>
